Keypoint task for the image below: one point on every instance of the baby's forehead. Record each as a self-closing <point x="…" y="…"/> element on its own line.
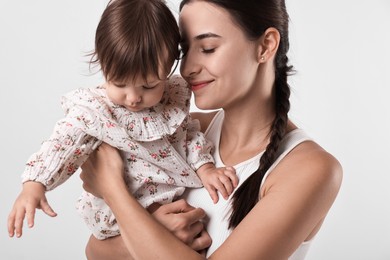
<point x="138" y="79"/>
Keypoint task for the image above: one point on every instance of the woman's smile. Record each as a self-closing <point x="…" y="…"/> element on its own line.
<point x="199" y="85"/>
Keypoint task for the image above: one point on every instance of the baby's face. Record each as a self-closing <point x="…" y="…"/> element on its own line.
<point x="137" y="94"/>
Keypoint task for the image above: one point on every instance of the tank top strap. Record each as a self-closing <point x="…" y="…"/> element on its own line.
<point x="289" y="142"/>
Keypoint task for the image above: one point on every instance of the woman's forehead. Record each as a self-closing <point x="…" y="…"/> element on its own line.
<point x="200" y="17"/>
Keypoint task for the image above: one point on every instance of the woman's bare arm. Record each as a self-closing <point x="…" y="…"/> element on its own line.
<point x="295" y="199"/>
<point x="177" y="218"/>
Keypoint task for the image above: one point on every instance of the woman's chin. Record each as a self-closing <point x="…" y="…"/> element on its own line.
<point x="205" y="106"/>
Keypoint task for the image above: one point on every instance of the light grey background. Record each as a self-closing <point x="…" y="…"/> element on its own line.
<point x="340" y="96"/>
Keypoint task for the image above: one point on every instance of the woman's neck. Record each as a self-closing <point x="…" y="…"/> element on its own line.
<point x="245" y="132"/>
<point x="248" y="121"/>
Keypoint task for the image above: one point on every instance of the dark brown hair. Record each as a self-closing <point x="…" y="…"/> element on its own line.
<point x="254" y="18"/>
<point x="135" y="37"/>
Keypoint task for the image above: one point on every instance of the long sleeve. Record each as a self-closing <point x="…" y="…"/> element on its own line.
<point x="60" y="156"/>
<point x="198" y="147"/>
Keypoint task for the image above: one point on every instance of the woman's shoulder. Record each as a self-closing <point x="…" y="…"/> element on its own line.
<point x="312" y="156"/>
<point x="306" y="182"/>
<point x="308" y="165"/>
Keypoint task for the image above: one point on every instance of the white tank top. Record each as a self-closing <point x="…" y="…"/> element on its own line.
<point x="217" y="222"/>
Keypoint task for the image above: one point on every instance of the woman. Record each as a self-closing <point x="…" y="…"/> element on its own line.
<point x="235" y="59"/>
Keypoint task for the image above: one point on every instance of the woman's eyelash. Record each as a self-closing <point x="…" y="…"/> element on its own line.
<point x="207" y="51"/>
<point x="184" y="49"/>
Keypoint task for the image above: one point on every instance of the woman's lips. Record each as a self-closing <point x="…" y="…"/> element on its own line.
<point x="198" y="85"/>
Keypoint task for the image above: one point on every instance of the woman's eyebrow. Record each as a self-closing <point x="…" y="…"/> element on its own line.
<point x="199" y="37"/>
<point x="206" y="35"/>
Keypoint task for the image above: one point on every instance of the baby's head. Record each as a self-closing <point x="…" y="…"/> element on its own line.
<point x="136" y="45"/>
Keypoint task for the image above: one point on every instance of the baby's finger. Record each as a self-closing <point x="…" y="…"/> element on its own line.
<point x="19" y="218"/>
<point x="11" y="224"/>
<point x="213" y="193"/>
<point x="228" y="186"/>
<point x="30" y="215"/>
<point x="231" y="173"/>
<point x="220" y="186"/>
<point x="47" y="209"/>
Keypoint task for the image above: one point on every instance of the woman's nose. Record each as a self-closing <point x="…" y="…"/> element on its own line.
<point x="190" y="65"/>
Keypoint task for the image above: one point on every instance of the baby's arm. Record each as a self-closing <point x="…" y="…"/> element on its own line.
<point x="58" y="158"/>
<point x="32" y="197"/>
<point x="199" y="157"/>
<point x="223" y="179"/>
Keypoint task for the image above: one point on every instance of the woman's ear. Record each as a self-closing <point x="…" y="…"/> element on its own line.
<point x="268" y="45"/>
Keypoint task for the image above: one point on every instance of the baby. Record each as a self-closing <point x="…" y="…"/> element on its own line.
<point x="140" y="109"/>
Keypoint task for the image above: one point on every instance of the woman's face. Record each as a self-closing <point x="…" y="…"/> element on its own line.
<point x="220" y="63"/>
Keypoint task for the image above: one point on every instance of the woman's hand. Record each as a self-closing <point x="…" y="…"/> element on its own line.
<point x="103" y="171"/>
<point x="185" y="222"/>
<point x="181" y="219"/>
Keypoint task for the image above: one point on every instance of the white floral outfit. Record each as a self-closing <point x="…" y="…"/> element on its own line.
<point x="162" y="147"/>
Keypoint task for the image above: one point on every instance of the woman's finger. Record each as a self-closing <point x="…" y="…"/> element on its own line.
<point x="194" y="215"/>
<point x="177" y="206"/>
<point x="201" y="242"/>
<point x="196" y="229"/>
<point x="188" y="235"/>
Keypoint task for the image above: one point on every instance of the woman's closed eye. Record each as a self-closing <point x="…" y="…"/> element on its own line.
<point x="208" y="50"/>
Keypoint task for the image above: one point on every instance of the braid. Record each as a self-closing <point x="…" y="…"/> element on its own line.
<point x="247" y="195"/>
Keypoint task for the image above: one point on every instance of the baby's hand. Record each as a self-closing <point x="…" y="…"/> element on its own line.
<point x="32" y="197"/>
<point x="222" y="179"/>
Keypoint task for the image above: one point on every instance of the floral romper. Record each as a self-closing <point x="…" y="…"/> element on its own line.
<point x="162" y="147"/>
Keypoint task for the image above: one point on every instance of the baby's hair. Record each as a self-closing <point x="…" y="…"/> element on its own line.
<point x="254" y="18"/>
<point x="136" y="38"/>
